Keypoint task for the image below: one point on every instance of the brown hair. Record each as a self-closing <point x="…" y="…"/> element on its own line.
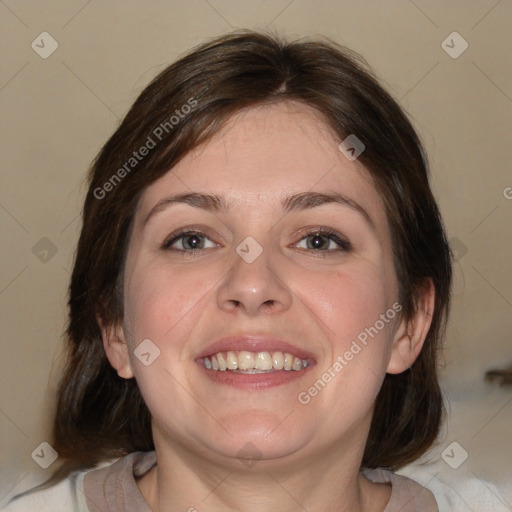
<point x="101" y="416"/>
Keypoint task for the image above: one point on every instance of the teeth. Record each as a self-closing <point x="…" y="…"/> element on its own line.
<point x="222" y="362"/>
<point x="297" y="364"/>
<point x="232" y="360"/>
<point x="288" y="361"/>
<point x="250" y="362"/>
<point x="263" y="361"/>
<point x="277" y="360"/>
<point x="245" y="360"/>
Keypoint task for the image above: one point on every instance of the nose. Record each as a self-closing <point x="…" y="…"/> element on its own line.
<point x="255" y="288"/>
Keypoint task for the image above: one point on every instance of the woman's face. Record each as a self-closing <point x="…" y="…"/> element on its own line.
<point x="261" y="277"/>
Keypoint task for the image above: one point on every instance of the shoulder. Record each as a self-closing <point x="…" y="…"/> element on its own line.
<point x="83" y="491"/>
<point x="114" y="487"/>
<point x="464" y="489"/>
<point x="407" y="495"/>
<point x="64" y="496"/>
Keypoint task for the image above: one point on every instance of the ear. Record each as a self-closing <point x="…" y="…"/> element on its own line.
<point x="116" y="349"/>
<point x="411" y="334"/>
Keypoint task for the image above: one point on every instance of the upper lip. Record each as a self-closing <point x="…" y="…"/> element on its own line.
<point x="254" y="343"/>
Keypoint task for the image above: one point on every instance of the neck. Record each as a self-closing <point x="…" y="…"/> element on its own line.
<point x="182" y="481"/>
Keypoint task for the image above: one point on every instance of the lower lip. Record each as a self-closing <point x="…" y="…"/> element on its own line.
<point x="254" y="381"/>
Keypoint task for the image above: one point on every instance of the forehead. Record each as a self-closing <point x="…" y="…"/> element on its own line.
<point x="265" y="153"/>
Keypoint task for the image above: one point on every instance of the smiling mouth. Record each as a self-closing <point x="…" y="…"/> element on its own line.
<point x="245" y="362"/>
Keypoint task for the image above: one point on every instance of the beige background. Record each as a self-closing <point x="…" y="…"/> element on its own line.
<point x="58" y="111"/>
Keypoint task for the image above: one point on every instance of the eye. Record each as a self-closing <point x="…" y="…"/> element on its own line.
<point x="188" y="241"/>
<point x="322" y="240"/>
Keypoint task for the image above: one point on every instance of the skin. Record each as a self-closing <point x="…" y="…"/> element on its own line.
<point x="309" y="455"/>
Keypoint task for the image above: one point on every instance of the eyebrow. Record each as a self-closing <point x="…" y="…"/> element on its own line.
<point x="296" y="202"/>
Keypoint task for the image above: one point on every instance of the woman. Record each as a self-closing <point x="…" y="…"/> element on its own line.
<point x="259" y="294"/>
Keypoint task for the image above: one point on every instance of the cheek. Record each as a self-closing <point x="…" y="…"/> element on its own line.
<point x="164" y="304"/>
<point x="351" y="304"/>
<point x="160" y="297"/>
<point x="355" y="305"/>
<point x="348" y="300"/>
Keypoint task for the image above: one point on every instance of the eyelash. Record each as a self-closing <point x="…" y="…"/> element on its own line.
<point x="344" y="244"/>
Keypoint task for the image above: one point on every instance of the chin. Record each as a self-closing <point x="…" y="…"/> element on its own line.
<point x="260" y="436"/>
